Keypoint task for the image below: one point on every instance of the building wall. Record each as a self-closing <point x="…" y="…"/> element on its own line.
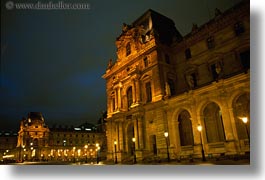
<point x="35" y="141"/>
<point x="209" y="86"/>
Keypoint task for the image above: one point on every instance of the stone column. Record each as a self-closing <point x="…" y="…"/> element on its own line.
<point x="138" y="92"/>
<point x="134" y="92"/>
<point x="227" y="123"/>
<point x="116" y="99"/>
<point x="121" y="140"/>
<point x="136" y="133"/>
<point x="140" y="131"/>
<point x="119" y="98"/>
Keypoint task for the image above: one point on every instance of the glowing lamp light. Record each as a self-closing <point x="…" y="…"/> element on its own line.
<point x="115" y="142"/>
<point x="133" y="139"/>
<point x="166" y="134"/>
<point x="245" y="120"/>
<point x="199" y="127"/>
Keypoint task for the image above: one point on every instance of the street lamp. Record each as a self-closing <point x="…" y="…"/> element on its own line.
<point x="166" y="136"/>
<point x="115" y="153"/>
<point x="245" y="121"/>
<point x="74" y="153"/>
<point x="199" y="127"/>
<point x="97" y="149"/>
<point x="134" y="154"/>
<point x="86" y="152"/>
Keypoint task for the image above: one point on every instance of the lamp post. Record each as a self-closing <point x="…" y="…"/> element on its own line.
<point x="166" y="136"/>
<point x="134" y="154"/>
<point x="86" y="152"/>
<point x="199" y="127"/>
<point x="115" y="153"/>
<point x="97" y="149"/>
<point x="74" y="153"/>
<point x="245" y="121"/>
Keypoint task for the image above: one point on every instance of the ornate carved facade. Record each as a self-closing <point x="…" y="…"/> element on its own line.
<point x="165" y="82"/>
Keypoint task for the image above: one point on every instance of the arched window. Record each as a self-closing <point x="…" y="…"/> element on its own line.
<point x="242" y="110"/>
<point x="129" y="96"/>
<point x="128" y="49"/>
<point x="185" y="129"/>
<point x="213" y="123"/>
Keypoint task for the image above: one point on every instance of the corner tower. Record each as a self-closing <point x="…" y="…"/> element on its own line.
<point x="142" y="75"/>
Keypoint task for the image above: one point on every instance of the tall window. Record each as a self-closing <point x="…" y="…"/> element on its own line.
<point x="239" y="28"/>
<point x="214" y="73"/>
<point x="172" y="87"/>
<point x="185" y="129"/>
<point x="188" y="53"/>
<point x="167" y="59"/>
<point x="194" y="79"/>
<point x="148" y="92"/>
<point x="113" y="101"/>
<point x="145" y="62"/>
<point x="129" y="96"/>
<point x="210" y="42"/>
<point x="245" y="59"/>
<point x="213" y="123"/>
<point x="128" y="49"/>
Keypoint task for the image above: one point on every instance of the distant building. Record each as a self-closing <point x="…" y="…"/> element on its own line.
<point x="8" y="141"/>
<point x="35" y="141"/>
<point x="164" y="86"/>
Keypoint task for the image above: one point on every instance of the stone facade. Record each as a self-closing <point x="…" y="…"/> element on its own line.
<point x="165" y="82"/>
<point x="35" y="141"/>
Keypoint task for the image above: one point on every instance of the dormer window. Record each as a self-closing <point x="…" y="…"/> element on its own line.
<point x="128" y="49"/>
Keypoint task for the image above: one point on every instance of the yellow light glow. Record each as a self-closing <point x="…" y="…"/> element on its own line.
<point x="115" y="142"/>
<point x="166" y="134"/>
<point x="245" y="120"/>
<point x="199" y="127"/>
<point x="97" y="145"/>
<point x="133" y="139"/>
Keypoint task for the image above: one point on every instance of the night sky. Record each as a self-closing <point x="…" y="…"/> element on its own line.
<point x="52" y="60"/>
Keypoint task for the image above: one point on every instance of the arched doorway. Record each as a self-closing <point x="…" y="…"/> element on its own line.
<point x="185" y="129"/>
<point x="213" y="122"/>
<point x="241" y="109"/>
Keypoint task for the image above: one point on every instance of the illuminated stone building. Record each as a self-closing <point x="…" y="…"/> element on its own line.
<point x="33" y="137"/>
<point x="8" y="141"/>
<point x="165" y="82"/>
<point x="36" y="141"/>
